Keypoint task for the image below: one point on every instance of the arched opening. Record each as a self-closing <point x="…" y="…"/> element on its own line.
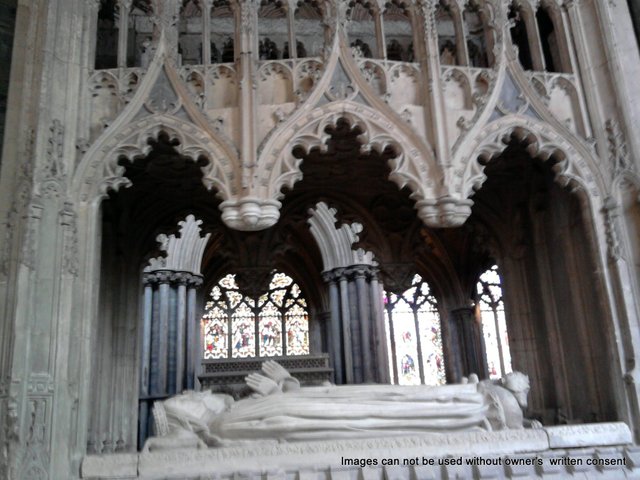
<point x="476" y="36"/>
<point x="542" y="239"/>
<point x="273" y="31"/>
<point x="190" y="33"/>
<point x="166" y="186"/>
<point x="124" y="33"/>
<point x="310" y="29"/>
<point x="107" y="41"/>
<point x="398" y="33"/>
<point x="222" y="28"/>
<point x="548" y="41"/>
<point x="450" y="36"/>
<point x="520" y="37"/>
<point x="364" y="33"/>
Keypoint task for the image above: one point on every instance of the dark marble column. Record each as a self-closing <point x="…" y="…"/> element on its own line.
<point x="467" y="344"/>
<point x="359" y="352"/>
<point x="170" y="342"/>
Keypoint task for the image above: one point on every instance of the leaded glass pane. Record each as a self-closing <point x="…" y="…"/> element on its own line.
<point x="494" y="326"/>
<point x="229" y="327"/>
<point x="414" y="306"/>
<point x="297" y="331"/>
<point x="406" y="345"/>
<point x="243" y="328"/>
<point x="432" y="358"/>
<point x="270" y="331"/>
<point x="215" y="334"/>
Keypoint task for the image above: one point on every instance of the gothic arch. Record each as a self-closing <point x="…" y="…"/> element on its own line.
<point x="100" y="172"/>
<point x="413" y="166"/>
<point x="574" y="165"/>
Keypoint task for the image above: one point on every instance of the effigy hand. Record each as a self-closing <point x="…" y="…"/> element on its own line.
<point x="261" y="384"/>
<point x="275" y="371"/>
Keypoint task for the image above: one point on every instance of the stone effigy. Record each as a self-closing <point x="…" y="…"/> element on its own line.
<point x="281" y="410"/>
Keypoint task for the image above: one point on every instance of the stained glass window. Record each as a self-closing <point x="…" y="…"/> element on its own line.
<point x="274" y="324"/>
<point x="414" y="337"/>
<point x="494" y="326"/>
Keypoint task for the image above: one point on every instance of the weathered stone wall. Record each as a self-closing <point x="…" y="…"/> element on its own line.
<point x="7" y="23"/>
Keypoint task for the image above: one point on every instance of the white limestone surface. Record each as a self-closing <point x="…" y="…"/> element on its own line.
<point x="588" y="435"/>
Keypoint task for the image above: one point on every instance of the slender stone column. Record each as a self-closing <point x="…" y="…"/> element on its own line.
<point x="206" y="32"/>
<point x="146" y="338"/>
<point x="365" y="321"/>
<point x="193" y="333"/>
<point x="181" y="317"/>
<point x="346" y="324"/>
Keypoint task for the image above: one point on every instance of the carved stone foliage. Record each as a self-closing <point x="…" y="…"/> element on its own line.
<point x="619" y="158"/>
<point x="54" y="167"/>
<point x="611" y="212"/>
<point x="307" y="74"/>
<point x="182" y="252"/>
<point x="35" y="461"/>
<point x="336" y="243"/>
<point x="24" y="182"/>
<point x="70" y="248"/>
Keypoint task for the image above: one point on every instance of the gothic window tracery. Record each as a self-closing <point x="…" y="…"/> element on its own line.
<point x="276" y="323"/>
<point x="494" y="327"/>
<point x="414" y="336"/>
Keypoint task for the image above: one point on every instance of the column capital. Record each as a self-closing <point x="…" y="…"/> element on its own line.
<point x="172" y="277"/>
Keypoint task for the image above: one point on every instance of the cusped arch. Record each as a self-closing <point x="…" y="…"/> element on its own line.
<point x="99" y="170"/>
<point x="413" y="166"/>
<point x="574" y="165"/>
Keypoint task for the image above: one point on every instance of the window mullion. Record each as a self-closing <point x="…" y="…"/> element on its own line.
<point x="392" y="338"/>
<point x="418" y="343"/>
<point x="499" y="339"/>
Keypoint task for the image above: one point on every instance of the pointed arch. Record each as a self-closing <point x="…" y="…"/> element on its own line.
<point x="99" y="170"/>
<point x="414" y="164"/>
<point x="574" y="165"/>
